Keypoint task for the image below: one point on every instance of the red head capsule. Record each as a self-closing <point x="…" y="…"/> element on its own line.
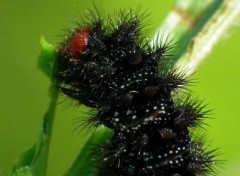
<point x="77" y="44"/>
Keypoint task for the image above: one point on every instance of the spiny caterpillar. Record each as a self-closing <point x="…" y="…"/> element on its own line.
<point x="110" y="65"/>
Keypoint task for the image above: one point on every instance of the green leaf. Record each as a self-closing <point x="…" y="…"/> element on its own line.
<point x="47" y="57"/>
<point x="24" y="171"/>
<point x="85" y="161"/>
<point x="34" y="160"/>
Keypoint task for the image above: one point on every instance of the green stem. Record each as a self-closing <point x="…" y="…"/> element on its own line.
<point x="186" y="20"/>
<point x="213" y="31"/>
<point x="46" y="133"/>
<point x="85" y="161"/>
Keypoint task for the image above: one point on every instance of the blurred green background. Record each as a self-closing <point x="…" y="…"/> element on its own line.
<point x="24" y="89"/>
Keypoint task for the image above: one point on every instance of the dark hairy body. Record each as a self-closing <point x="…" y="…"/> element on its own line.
<point x="109" y="65"/>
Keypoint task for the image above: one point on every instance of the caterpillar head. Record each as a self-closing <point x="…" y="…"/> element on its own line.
<point x="100" y="55"/>
<point x="98" y="51"/>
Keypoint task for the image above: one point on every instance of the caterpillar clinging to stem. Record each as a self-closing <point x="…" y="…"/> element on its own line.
<point x="109" y="64"/>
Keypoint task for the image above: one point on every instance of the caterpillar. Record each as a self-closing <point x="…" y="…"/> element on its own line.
<point x="109" y="64"/>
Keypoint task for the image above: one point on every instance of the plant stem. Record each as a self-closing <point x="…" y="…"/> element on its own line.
<point x="185" y="21"/>
<point x="213" y="31"/>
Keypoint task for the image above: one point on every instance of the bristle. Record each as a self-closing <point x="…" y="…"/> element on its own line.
<point x="191" y="112"/>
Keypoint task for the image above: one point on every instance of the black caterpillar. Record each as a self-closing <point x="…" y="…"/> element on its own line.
<point x="110" y="65"/>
